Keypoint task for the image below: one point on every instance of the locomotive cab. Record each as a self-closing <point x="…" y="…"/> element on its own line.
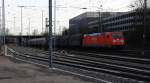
<point x="117" y="39"/>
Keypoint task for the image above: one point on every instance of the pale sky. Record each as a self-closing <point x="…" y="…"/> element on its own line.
<point x="66" y="9"/>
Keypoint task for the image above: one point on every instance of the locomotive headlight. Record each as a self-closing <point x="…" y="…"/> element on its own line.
<point x="121" y="40"/>
<point x="114" y="40"/>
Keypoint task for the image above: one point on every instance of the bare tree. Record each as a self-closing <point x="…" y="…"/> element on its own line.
<point x="137" y="4"/>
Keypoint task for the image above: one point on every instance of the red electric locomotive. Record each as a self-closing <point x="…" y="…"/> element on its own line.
<point x="107" y="39"/>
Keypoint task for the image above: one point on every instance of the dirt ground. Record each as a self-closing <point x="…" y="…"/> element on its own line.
<point x="19" y="72"/>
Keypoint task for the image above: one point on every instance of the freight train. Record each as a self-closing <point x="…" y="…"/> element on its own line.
<point x="97" y="40"/>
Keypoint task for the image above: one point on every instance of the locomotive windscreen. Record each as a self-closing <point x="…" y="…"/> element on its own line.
<point x="117" y="35"/>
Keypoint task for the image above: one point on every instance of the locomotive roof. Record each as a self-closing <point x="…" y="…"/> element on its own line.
<point x="95" y="34"/>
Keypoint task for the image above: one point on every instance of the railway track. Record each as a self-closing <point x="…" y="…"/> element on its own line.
<point x="129" y="53"/>
<point x="123" y="66"/>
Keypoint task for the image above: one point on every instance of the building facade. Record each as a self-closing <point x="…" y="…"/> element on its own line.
<point x="85" y="23"/>
<point x="90" y="22"/>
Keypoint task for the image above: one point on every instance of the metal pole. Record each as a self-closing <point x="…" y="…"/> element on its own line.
<point x="54" y="23"/>
<point x="29" y="27"/>
<point x="50" y="33"/>
<point x="42" y="22"/>
<point x="144" y="28"/>
<point x="14" y="23"/>
<point x="21" y="25"/>
<point x="99" y="22"/>
<point x="3" y="21"/>
<point x="29" y="30"/>
<point x="101" y="19"/>
<point x="100" y="29"/>
<point x="1" y="39"/>
<point x="21" y="33"/>
<point x="0" y="18"/>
